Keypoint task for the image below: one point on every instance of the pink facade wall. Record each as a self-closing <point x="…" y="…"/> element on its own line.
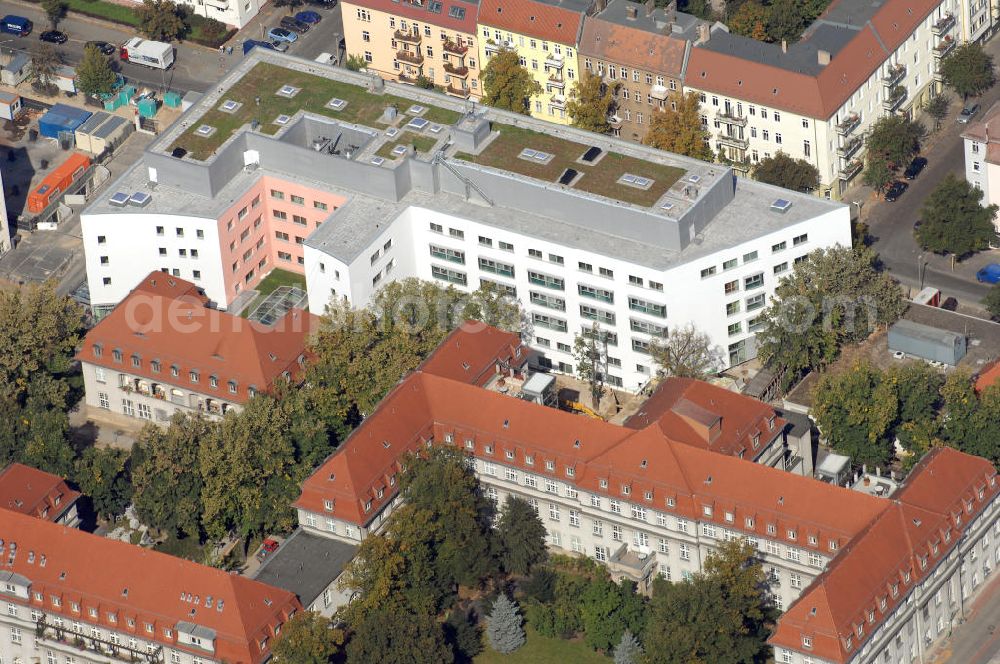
<point x="249" y="230"/>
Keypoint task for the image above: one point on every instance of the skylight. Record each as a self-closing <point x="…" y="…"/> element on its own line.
<point x="781" y="205"/>
<point x="417" y="124"/>
<point x="456" y="12"/>
<point x="287" y="91"/>
<point x="336" y="104"/>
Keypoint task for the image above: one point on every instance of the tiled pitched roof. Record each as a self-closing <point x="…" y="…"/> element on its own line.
<point x="470" y="353"/>
<point x="34" y="492"/>
<point x="535" y="19"/>
<point x="142" y="586"/>
<point x="988" y="377"/>
<point x="165" y="319"/>
<point x="457" y="15"/>
<point x="897" y="551"/>
<point x="633" y="47"/>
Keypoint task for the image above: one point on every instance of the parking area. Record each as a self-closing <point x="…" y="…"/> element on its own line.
<point x="320" y="38"/>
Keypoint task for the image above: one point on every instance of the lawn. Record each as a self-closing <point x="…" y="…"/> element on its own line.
<point x="599" y="178"/>
<point x="540" y="649"/>
<point x="421" y="143"/>
<point x="264" y="80"/>
<point x="106" y="10"/>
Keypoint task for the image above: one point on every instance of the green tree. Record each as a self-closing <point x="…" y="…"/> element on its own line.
<point x="723" y="615"/>
<point x="590" y="102"/>
<point x="784" y="171"/>
<point x="590" y="351"/>
<point x="55" y="11"/>
<point x="105" y="476"/>
<point x="968" y="70"/>
<point x="971" y="422"/>
<point x="508" y="85"/>
<point x="521" y="536"/>
<point x="834" y="297"/>
<point x="992" y="302"/>
<point x="751" y="20"/>
<point x="785" y="20"/>
<point x="492" y="305"/>
<point x="44" y="442"/>
<point x="308" y="638"/>
<point x="94" y="74"/>
<point x="686" y="352"/>
<point x="937" y="108"/>
<point x="45" y="63"/>
<point x="953" y="219"/>
<point x="678" y="128"/>
<point x="160" y="20"/>
<point x="878" y="174"/>
<point x="894" y="140"/>
<point x="854" y="411"/>
<point x="166" y="476"/>
<point x="608" y="610"/>
<point x="401" y="637"/>
<point x="464" y="634"/>
<point x="504" y="626"/>
<point x="355" y="62"/>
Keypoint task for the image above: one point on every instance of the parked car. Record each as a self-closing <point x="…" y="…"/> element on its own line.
<point x="326" y="59"/>
<point x="913" y="170"/>
<point x="309" y="16"/>
<point x="323" y="4"/>
<point x="281" y="35"/>
<point x="277" y="46"/>
<point x="896" y="190"/>
<point x="102" y="46"/>
<point x="53" y="37"/>
<point x="990" y="274"/>
<point x="294" y="24"/>
<point x="267" y="548"/>
<point x="968" y="111"/>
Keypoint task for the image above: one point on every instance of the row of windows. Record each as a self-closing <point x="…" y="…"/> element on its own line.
<point x="752" y="256"/>
<point x="293" y="198"/>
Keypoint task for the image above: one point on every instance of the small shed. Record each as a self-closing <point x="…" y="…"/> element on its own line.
<point x="926" y="342"/>
<point x="101" y="132"/>
<point x="14" y="68"/>
<point x="540" y="388"/>
<point x="65" y="79"/>
<point x="10" y="105"/>
<point x="62" y="118"/>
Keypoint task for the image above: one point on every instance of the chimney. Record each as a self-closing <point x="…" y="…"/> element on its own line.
<point x="649" y="6"/>
<point x="823" y="57"/>
<point x="631" y="12"/>
<point x="704" y="33"/>
<point x="784" y="46"/>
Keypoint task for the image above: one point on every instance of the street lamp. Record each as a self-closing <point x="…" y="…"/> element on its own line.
<point x="920" y="270"/>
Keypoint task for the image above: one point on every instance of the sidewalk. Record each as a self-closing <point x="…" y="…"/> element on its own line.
<point x="977" y="620"/>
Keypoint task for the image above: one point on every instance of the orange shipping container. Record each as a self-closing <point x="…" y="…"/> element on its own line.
<point x="56" y="182"/>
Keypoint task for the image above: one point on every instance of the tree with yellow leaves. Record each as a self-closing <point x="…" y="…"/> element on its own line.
<point x="678" y="128"/>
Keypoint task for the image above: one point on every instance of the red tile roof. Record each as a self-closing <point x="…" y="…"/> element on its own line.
<point x="471" y="353"/>
<point x="633" y="47"/>
<point x="534" y="19"/>
<point x="34" y="492"/>
<point x="988" y="377"/>
<point x="707" y="416"/>
<point x="457" y="15"/>
<point x="166" y="320"/>
<point x="864" y="584"/>
<point x="142" y="586"/>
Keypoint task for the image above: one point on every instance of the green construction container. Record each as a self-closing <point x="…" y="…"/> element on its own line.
<point x="172" y="99"/>
<point x="127" y="93"/>
<point x="113" y="104"/>
<point x="147" y="108"/>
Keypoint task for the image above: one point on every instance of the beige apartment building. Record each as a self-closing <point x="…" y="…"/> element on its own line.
<point x="407" y="41"/>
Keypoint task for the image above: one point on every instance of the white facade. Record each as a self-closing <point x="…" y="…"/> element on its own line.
<point x="235" y="13"/>
<point x="722" y="292"/>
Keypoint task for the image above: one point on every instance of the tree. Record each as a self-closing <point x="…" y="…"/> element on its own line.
<point x="785" y="20"/>
<point x="968" y="70"/>
<point x="937" y="108"/>
<point x="751" y="20"/>
<point x="45" y="62"/>
<point x="895" y="140"/>
<point x="160" y="20"/>
<point x="992" y="302"/>
<point x="308" y="638"/>
<point x="94" y="74"/>
<point x="590" y="350"/>
<point x="55" y="11"/>
<point x="166" y="475"/>
<point x="464" y="634"/>
<point x="607" y="610"/>
<point x="834" y="297"/>
<point x="855" y="411"/>
<point x="105" y="476"/>
<point x="521" y="536"/>
<point x="784" y="171"/>
<point x="686" y="352"/>
<point x="678" y="128"/>
<point x="954" y="221"/>
<point x="492" y="305"/>
<point x="355" y="62"/>
<point x="590" y="102"/>
<point x="508" y="85"/>
<point x="401" y="637"/>
<point x="971" y="422"/>
<point x="504" y="627"/>
<point x="878" y="174"/>
<point x="628" y="649"/>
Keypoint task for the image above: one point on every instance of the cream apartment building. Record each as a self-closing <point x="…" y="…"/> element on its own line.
<point x="982" y="156"/>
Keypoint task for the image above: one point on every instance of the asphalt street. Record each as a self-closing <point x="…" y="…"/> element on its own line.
<point x="977" y="640"/>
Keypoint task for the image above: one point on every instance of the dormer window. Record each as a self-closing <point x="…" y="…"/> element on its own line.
<point x="92" y="612"/>
<point x="771" y="529"/>
<point x="882" y="603"/>
<point x="98" y="350"/>
<point x="895" y="590"/>
<point x="368" y="506"/>
<point x="529" y="460"/>
<point x="770" y="422"/>
<point x="251" y="391"/>
<point x="448" y="438"/>
<point x="648" y="495"/>
<point x="193" y="375"/>
<point x="510" y="454"/>
<point x="381" y="492"/>
<point x="850" y="643"/>
<point x="812" y="540"/>
<point x="871" y="616"/>
<point x="136" y="361"/>
<point x="807" y="642"/>
<point x="906" y="576"/>
<point x="603" y="484"/>
<point x="550" y="466"/>
<point x="791" y="535"/>
<point x="154" y="366"/>
<point x="232" y="387"/>
<point x="756" y="440"/>
<point x="671" y="502"/>
<point x="982" y="493"/>
<point x="175" y="370"/>
<point x="626" y="489"/>
<point x="749" y="522"/>
<point x="489" y="449"/>
<point x="116" y="355"/>
<point x="860" y="630"/>
<point x="706" y="510"/>
<point x="213" y="381"/>
<point x="328" y="505"/>
<point x="570" y="471"/>
<point x="470" y="444"/>
<point x="923" y="562"/>
<point x="947" y="536"/>
<point x="833" y="545"/>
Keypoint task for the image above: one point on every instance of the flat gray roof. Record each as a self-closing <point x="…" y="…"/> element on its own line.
<point x="659" y="20"/>
<point x="924" y="332"/>
<point x="306" y="564"/>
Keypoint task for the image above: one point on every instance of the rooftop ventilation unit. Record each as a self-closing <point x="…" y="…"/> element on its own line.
<point x="205" y="130"/>
<point x="118" y="199"/>
<point x="282" y="119"/>
<point x="230" y="106"/>
<point x="139" y="199"/>
<point x="417" y="124"/>
<point x="377" y="161"/>
<point x="781" y="205"/>
<point x="287" y="91"/>
<point x="416" y="109"/>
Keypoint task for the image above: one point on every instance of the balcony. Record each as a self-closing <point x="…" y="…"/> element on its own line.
<point x="851" y="169"/>
<point x="493" y="47"/>
<point x="410" y="57"/>
<point x="409" y="80"/>
<point x="408" y="37"/>
<point x="454" y="48"/>
<point x="847" y="150"/>
<point x="460" y="72"/>
<point x="635" y="565"/>
<point x="894" y="76"/>
<point x="849" y="124"/>
<point x="556" y="81"/>
<point x="659" y="92"/>
<point x="944" y="47"/>
<point x="894" y="99"/>
<point x="457" y="91"/>
<point x="943" y="25"/>
<point x="733" y="140"/>
<point x="554" y="61"/>
<point x="614" y="121"/>
<point x="89" y="644"/>
<point x="729" y="117"/>
<point x="559" y="101"/>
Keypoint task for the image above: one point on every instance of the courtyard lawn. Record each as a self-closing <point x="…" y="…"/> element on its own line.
<point x="264" y="80"/>
<point x="276" y="279"/>
<point x="540" y="649"/>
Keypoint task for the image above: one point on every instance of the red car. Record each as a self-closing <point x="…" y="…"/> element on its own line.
<point x="269" y="547"/>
